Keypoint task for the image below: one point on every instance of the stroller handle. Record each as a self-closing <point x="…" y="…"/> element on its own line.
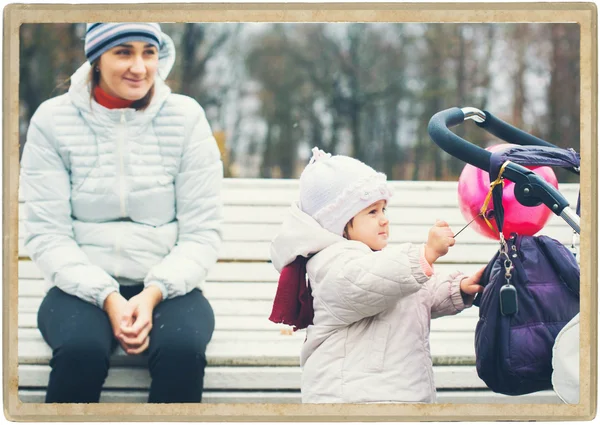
<point x="508" y="133"/>
<point x="439" y="131"/>
<point x="525" y="179"/>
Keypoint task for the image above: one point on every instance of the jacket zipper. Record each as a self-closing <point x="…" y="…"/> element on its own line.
<point x="122" y="165"/>
<point x="120" y="145"/>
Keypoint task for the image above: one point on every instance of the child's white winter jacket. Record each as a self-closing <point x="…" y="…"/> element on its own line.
<point x="370" y="338"/>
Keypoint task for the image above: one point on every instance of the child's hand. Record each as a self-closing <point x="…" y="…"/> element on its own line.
<point x="439" y="241"/>
<point x="469" y="286"/>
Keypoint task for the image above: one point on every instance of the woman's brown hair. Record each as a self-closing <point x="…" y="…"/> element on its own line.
<point x="94" y="79"/>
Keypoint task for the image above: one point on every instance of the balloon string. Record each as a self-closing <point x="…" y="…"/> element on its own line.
<point x="468" y="224"/>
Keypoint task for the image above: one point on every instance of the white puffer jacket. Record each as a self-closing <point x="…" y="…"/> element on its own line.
<point x="370" y="339"/>
<point x="122" y="196"/>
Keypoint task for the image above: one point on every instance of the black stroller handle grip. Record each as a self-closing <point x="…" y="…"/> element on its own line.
<point x="510" y="134"/>
<point x="439" y="131"/>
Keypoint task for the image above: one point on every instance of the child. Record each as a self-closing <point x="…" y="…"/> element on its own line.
<point x="368" y="341"/>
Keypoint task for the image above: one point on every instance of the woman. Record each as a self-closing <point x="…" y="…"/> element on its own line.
<point x="121" y="180"/>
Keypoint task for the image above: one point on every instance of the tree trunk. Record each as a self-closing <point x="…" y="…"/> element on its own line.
<point x="266" y="163"/>
<point x="519" y="76"/>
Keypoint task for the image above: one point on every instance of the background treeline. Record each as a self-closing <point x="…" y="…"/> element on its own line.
<point x="273" y="91"/>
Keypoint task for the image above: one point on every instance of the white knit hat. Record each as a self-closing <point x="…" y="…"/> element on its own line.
<point x="333" y="189"/>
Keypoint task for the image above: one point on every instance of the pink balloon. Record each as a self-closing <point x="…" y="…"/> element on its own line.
<point x="473" y="187"/>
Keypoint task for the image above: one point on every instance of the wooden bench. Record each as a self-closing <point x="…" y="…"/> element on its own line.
<point x="253" y="360"/>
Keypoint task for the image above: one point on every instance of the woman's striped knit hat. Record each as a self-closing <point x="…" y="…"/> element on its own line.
<point x="100" y="37"/>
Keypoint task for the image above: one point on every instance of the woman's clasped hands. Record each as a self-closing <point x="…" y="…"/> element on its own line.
<point x="131" y="320"/>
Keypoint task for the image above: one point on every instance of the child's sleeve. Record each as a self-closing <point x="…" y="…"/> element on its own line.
<point x="446" y="296"/>
<point x="367" y="284"/>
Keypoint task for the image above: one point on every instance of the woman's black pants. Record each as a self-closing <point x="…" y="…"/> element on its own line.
<point x="82" y="342"/>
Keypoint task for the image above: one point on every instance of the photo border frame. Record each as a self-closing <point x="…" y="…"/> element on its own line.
<point x="584" y="14"/>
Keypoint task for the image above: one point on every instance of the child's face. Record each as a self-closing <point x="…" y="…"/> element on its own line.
<point x="370" y="226"/>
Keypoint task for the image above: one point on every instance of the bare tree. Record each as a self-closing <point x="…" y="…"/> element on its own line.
<point x="49" y="54"/>
<point x="563" y="91"/>
<point x="520" y="41"/>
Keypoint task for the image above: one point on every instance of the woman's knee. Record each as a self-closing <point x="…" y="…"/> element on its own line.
<point x="87" y="355"/>
<point x="178" y="353"/>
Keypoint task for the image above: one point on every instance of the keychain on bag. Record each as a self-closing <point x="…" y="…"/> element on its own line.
<point x="508" y="293"/>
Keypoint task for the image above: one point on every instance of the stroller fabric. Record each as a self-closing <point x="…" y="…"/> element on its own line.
<point x="514" y="351"/>
<point x="565" y="362"/>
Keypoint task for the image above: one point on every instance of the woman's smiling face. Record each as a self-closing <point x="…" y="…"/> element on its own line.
<point x="127" y="71"/>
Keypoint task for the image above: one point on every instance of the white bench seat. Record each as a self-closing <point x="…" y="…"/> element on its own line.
<point x="274" y="397"/>
<point x="284" y="380"/>
<point x="250" y="359"/>
<point x="235" y="378"/>
<point x="257" y="348"/>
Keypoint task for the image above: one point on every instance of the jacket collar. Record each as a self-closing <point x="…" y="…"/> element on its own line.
<point x="300" y="235"/>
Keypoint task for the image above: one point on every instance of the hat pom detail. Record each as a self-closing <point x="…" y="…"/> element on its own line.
<point x="318" y="154"/>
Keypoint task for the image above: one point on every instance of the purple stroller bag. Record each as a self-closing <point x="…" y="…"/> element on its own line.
<point x="514" y="351"/>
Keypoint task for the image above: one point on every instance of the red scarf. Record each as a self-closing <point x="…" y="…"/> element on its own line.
<point x="109" y="101"/>
<point x="293" y="304"/>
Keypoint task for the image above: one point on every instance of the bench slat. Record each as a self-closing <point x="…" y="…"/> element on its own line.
<point x="256" y="348"/>
<point x="256" y="214"/>
<point x="407" y="215"/>
<point x="251" y="241"/>
<point x="231" y="307"/>
<point x="460" y="323"/>
<point x="221" y="272"/>
<point x="456" y="397"/>
<point x="425" y="197"/>
<point x="259" y="251"/>
<point x="121" y="396"/>
<point x="405" y="193"/>
<point x="243" y="378"/>
<point x="404" y="232"/>
<point x="265" y="201"/>
<point x="221" y="307"/>
<point x="212" y="290"/>
<point x="249" y="272"/>
<point x="252" y="272"/>
<point x="462" y="253"/>
<point x="250" y="184"/>
<point x="274" y="216"/>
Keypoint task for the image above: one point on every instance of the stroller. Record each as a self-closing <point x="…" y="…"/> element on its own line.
<point x="530" y="190"/>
